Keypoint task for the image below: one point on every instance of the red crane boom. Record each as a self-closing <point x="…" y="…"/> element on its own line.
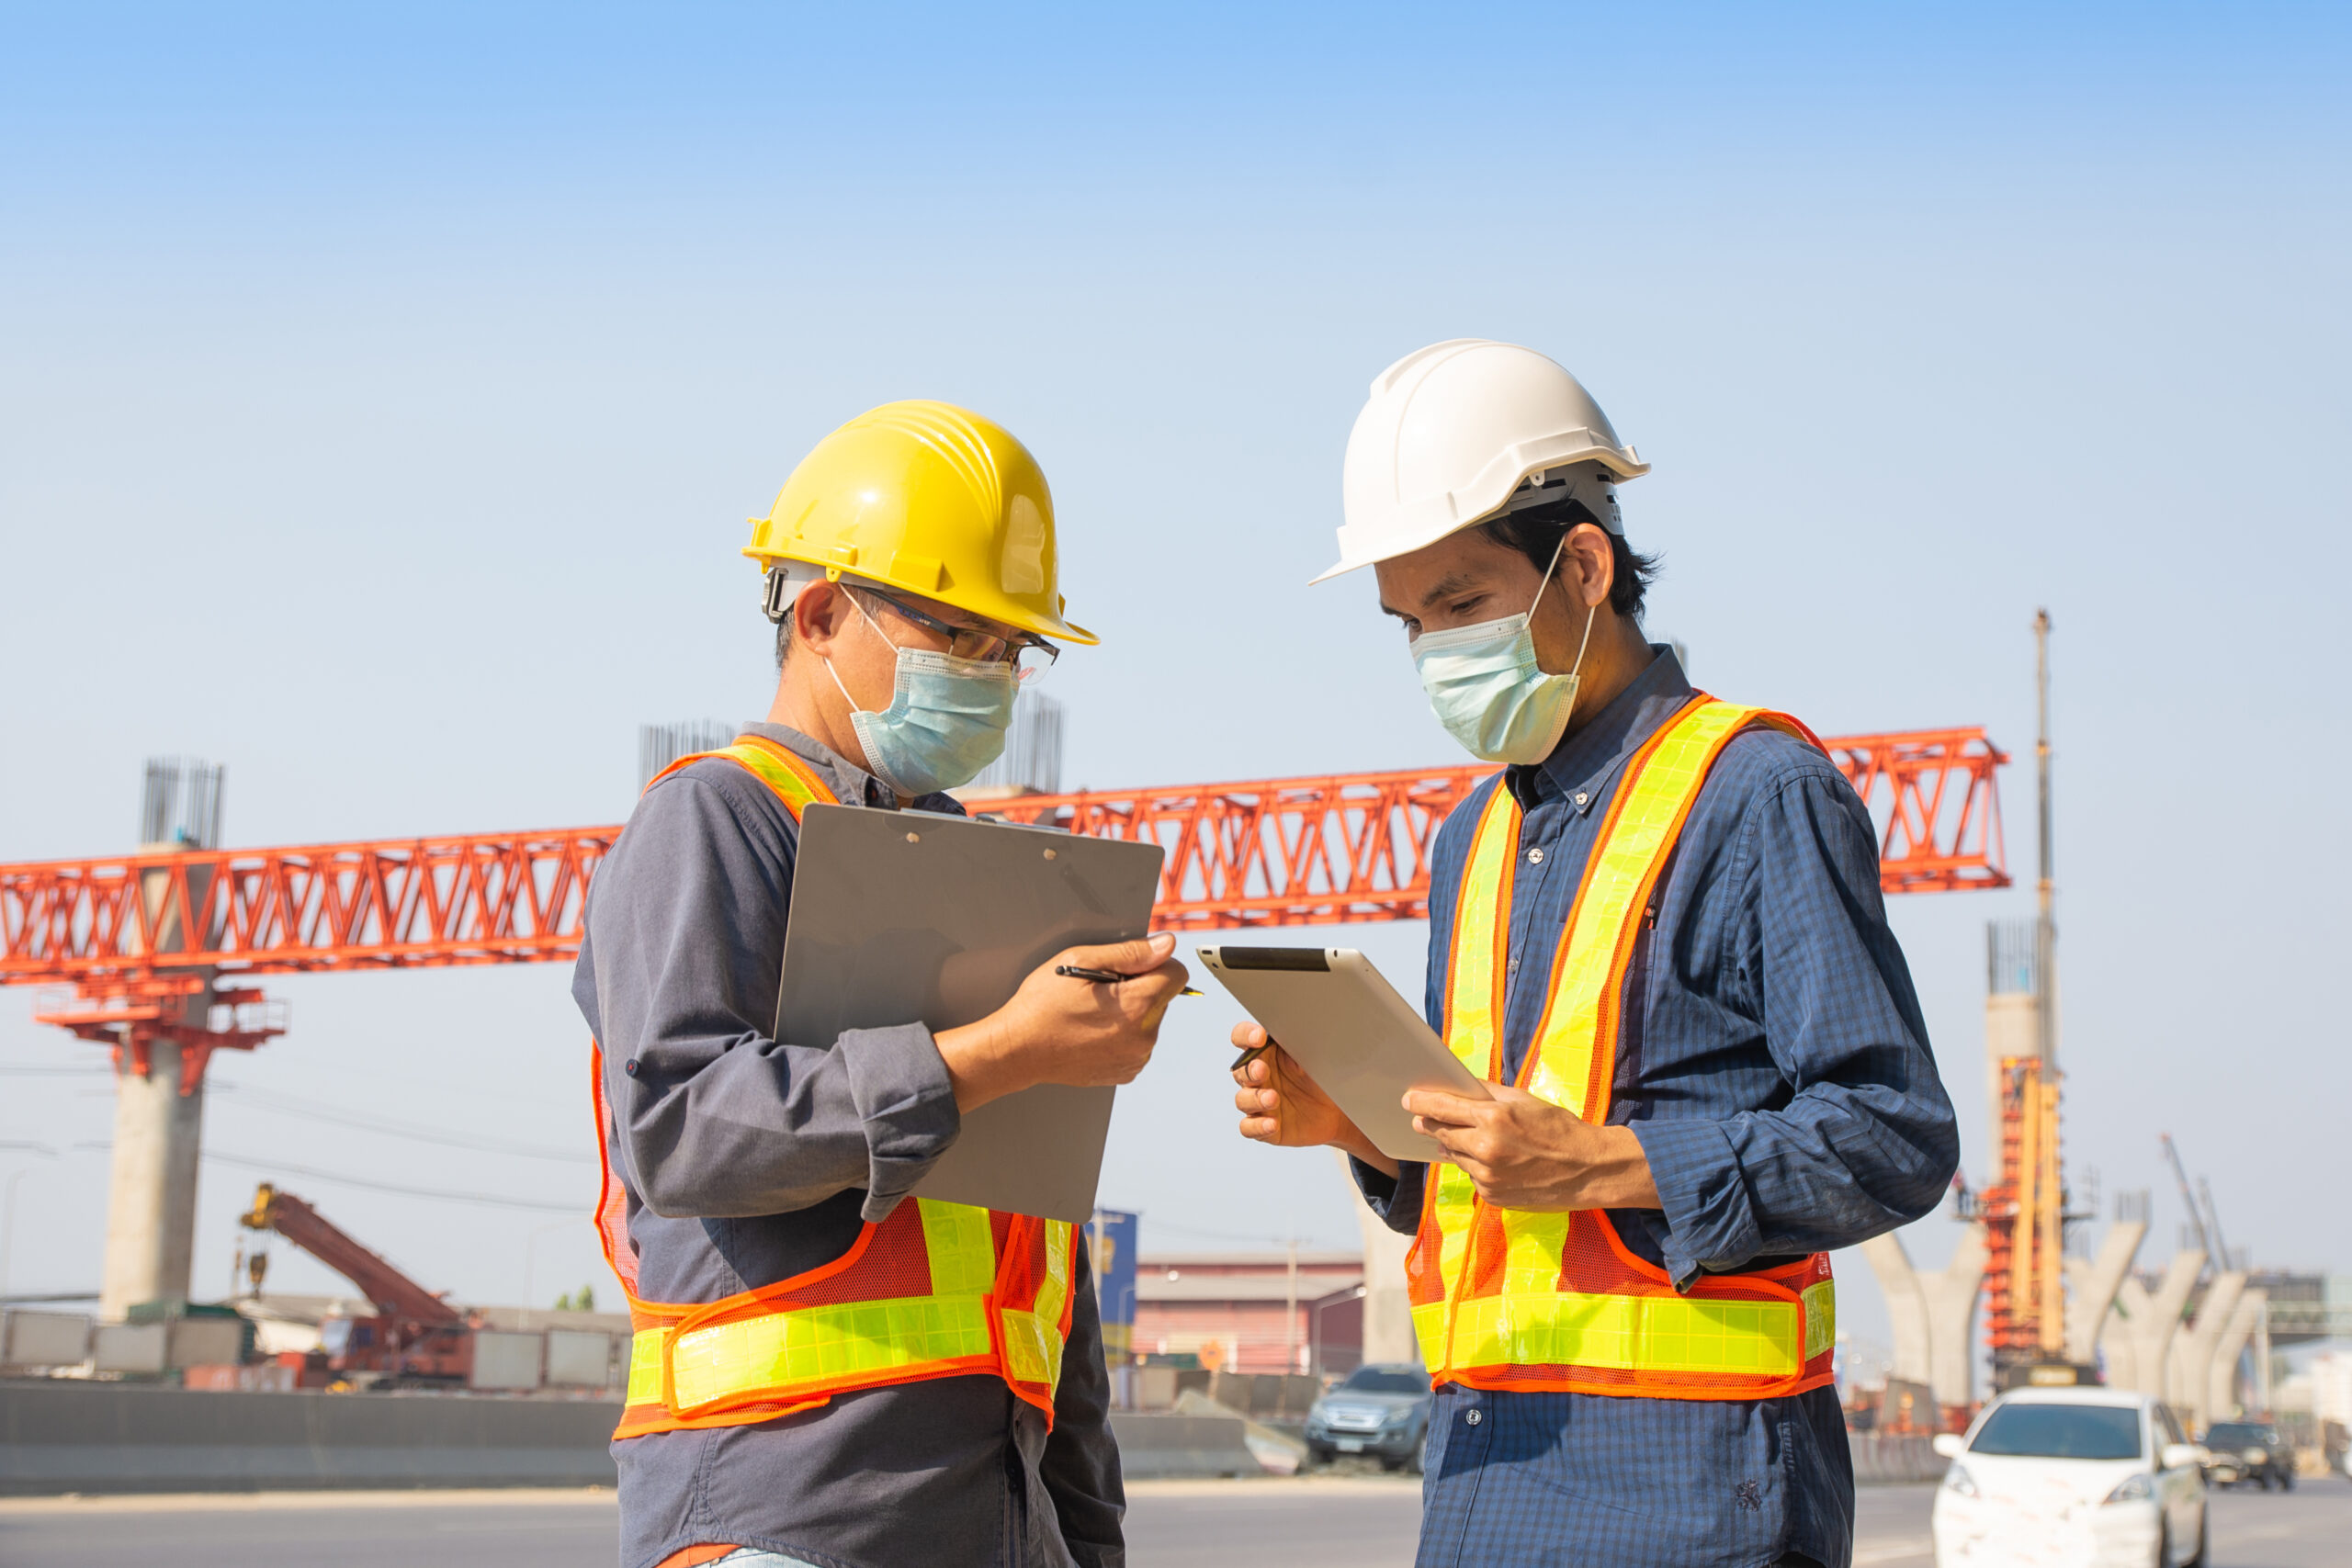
<point x="395" y="1294"/>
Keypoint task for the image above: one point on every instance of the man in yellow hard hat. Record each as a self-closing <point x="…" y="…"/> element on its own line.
<point x="1657" y="933"/>
<point x="826" y="1369"/>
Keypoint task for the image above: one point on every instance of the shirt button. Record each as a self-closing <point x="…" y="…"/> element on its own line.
<point x="1582" y="797"/>
<point x="1475" y="1416"/>
<point x="1535" y="857"/>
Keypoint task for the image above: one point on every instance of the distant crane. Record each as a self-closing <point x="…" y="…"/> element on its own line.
<point x="415" y="1339"/>
<point x="2207" y="1218"/>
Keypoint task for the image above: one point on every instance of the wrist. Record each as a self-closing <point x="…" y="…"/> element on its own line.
<point x="979" y="1064"/>
<point x="1355" y="1145"/>
<point x="1621" y="1175"/>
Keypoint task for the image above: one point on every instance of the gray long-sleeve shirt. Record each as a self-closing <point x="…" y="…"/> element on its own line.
<point x="749" y="1159"/>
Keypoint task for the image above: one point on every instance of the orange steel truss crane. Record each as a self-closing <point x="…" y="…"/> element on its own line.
<point x="134" y="935"/>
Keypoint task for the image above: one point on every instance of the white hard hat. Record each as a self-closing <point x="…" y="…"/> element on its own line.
<point x="1453" y="432"/>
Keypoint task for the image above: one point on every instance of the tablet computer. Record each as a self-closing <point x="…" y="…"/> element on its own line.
<point x="1341" y="1021"/>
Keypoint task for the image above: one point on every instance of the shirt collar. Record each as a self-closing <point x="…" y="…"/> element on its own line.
<point x="851" y="785"/>
<point x="1588" y="754"/>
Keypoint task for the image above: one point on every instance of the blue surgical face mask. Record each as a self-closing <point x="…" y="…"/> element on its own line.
<point x="1489" y="691"/>
<point x="945" y="722"/>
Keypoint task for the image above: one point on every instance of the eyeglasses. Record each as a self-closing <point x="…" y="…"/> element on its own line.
<point x="1029" y="655"/>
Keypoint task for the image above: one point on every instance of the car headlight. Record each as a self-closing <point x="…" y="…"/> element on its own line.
<point x="2254" y="1456"/>
<point x="2131" y="1489"/>
<point x="1400" y="1417"/>
<point x="1957" y="1480"/>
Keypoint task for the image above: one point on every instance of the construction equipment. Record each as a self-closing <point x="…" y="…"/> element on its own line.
<point x="2024" y="1211"/>
<point x="415" y="1339"/>
<point x="158" y="947"/>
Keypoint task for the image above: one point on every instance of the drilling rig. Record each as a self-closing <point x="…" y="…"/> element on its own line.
<point x="2024" y="1211"/>
<point x="415" y="1339"/>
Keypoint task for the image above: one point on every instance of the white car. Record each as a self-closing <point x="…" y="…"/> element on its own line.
<point x="2049" y="1476"/>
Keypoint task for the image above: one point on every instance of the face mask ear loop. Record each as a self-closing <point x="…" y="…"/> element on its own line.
<point x="1590" y="614"/>
<point x="829" y="664"/>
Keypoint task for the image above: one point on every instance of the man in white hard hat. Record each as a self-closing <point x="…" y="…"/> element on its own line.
<point x="1659" y="935"/>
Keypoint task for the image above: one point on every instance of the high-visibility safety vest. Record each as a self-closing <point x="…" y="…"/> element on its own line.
<point x="935" y="1291"/>
<point x="1511" y="1299"/>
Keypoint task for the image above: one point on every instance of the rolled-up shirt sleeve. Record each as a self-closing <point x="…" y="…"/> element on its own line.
<point x="1864" y="1139"/>
<point x="715" y="1118"/>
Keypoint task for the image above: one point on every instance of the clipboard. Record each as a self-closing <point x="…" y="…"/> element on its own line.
<point x="916" y="917"/>
<point x="1362" y="1044"/>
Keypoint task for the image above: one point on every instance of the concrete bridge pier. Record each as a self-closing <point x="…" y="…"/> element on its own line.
<point x="151" y="1208"/>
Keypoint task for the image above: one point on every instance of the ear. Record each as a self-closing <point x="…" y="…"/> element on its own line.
<point x="821" y="615"/>
<point x="1588" y="564"/>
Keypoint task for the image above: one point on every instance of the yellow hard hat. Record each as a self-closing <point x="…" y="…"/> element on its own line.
<point x="931" y="499"/>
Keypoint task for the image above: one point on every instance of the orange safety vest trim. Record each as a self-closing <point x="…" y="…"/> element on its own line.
<point x="1512" y="1299"/>
<point x="935" y="1291"/>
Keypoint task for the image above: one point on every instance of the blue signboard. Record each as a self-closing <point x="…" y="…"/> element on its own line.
<point x="1111" y="1236"/>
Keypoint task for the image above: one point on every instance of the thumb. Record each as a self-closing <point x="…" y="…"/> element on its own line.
<point x="1138" y="957"/>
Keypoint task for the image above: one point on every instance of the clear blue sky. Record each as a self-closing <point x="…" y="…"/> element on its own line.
<point x="384" y="393"/>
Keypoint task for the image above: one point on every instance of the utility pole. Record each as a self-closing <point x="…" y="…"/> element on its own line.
<point x="1290" y="1314"/>
<point x="2045" y="934"/>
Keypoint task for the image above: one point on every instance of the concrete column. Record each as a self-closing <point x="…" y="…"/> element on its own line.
<point x="2222" y="1373"/>
<point x="151" y="1211"/>
<point x="158" y="1137"/>
<point x="2193" y="1349"/>
<point x="2091" y="1287"/>
<point x="2138" y="1336"/>
<point x="1387" y="1310"/>
<point x="1933" y="1312"/>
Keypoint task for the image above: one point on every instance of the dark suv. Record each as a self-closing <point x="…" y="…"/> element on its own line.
<point x="1378" y="1410"/>
<point x="2248" y="1450"/>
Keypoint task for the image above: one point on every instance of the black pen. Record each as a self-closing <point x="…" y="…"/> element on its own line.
<point x="1106" y="976"/>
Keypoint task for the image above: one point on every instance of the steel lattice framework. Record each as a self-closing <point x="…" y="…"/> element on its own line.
<point x="1269" y="852"/>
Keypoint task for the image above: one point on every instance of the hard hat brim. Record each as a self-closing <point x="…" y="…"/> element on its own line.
<point x="995" y="606"/>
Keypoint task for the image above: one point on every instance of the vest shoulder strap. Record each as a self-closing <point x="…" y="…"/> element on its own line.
<point x="794" y="782"/>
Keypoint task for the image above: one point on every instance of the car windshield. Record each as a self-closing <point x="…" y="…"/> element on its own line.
<point x="2060" y="1431"/>
<point x="1380" y="1380"/>
<point x="2233" y="1435"/>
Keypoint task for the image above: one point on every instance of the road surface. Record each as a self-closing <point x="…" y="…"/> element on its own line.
<point x="1327" y="1522"/>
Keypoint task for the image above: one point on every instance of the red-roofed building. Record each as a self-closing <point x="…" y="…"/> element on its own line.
<point x="1253" y="1312"/>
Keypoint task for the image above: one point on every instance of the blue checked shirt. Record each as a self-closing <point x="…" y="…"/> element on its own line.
<point x="1773" y="1063"/>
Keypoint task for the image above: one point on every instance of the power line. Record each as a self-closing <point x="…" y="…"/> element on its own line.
<point x="275" y="1167"/>
<point x="295" y="1105"/>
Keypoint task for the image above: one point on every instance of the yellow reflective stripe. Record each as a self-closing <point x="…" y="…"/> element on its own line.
<point x="811" y="1347"/>
<point x="1649" y="1333"/>
<point x="645" y="1365"/>
<point x="1471" y="1026"/>
<point x="1456" y="1202"/>
<point x="963" y="1254"/>
<point x="1619" y="865"/>
<point x="1531" y="1246"/>
<point x="1820" y="1304"/>
<point x="1032" y="1339"/>
<point x="775" y="773"/>
<point x="1429" y="1327"/>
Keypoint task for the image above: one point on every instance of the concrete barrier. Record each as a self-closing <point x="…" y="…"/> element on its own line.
<point x="1882" y="1457"/>
<point x="1155" y="1447"/>
<point x="68" y="1436"/>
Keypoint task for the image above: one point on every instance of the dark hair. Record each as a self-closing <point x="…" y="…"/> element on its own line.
<point x="1536" y="533"/>
<point x="783" y="638"/>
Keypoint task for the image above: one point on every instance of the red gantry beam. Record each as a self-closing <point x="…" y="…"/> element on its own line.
<point x="1271" y="853"/>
